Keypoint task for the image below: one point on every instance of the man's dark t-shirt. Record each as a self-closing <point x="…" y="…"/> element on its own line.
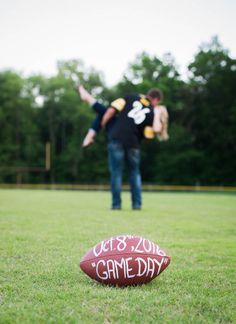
<point x="135" y="113"/>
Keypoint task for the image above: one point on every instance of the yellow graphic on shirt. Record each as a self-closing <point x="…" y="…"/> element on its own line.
<point x="118" y="104"/>
<point x="148" y="132"/>
<point x="144" y="102"/>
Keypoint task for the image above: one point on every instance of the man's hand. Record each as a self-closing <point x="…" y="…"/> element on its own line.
<point x="108" y="116"/>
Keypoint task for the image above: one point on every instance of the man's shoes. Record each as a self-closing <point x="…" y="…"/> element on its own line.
<point x="115" y="208"/>
<point x="136" y="208"/>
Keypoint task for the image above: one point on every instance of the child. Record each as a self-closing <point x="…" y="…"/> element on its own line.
<point x="96" y="124"/>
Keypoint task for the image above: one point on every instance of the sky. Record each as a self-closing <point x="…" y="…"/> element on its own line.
<point x="108" y="34"/>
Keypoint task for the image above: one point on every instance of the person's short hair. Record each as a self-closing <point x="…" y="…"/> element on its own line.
<point x="155" y="93"/>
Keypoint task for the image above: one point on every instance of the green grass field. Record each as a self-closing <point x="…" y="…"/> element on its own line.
<point x="45" y="233"/>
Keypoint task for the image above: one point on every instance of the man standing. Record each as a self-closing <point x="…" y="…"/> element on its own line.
<point x="134" y="114"/>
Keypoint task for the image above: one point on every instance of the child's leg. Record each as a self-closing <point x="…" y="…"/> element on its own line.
<point x="95" y="128"/>
<point x="96" y="125"/>
<point x="99" y="108"/>
<point x="86" y="96"/>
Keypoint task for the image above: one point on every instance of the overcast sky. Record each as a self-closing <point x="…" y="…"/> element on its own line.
<point x="107" y="34"/>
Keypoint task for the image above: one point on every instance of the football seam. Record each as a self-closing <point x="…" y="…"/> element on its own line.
<point x="139" y="254"/>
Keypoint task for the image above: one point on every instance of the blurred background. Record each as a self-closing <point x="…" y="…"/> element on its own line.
<point x="187" y="49"/>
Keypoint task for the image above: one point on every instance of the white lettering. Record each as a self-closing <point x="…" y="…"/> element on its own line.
<point x="111" y="269"/>
<point x="128" y="270"/>
<point x="106" y="246"/>
<point x="159" y="251"/>
<point x="137" y="247"/>
<point x="159" y="264"/>
<point x="122" y="244"/>
<point x="141" y="271"/>
<point x="153" y="248"/>
<point x="95" y="252"/>
<point x="147" y="249"/>
<point x="120" y="265"/>
<point x="105" y="275"/>
<point x="151" y="267"/>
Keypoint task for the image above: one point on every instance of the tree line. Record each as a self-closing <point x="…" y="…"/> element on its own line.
<point x="202" y="124"/>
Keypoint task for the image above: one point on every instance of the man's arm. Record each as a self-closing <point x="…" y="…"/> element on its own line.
<point x="108" y="116"/>
<point x="116" y="106"/>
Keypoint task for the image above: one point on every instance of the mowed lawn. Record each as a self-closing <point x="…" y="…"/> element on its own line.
<point x="45" y="233"/>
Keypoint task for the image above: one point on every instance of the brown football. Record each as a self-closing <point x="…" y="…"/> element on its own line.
<point x="124" y="260"/>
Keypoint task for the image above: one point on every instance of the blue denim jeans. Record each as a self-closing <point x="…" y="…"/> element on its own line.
<point x="117" y="156"/>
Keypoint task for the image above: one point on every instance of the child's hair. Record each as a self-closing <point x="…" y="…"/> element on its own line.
<point x="163" y="136"/>
<point x="155" y="93"/>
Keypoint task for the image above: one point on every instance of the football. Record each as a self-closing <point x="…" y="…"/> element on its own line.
<point x="124" y="260"/>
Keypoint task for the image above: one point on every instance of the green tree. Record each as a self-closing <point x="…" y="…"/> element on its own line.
<point x="65" y="120"/>
<point x="212" y="112"/>
<point x="18" y="130"/>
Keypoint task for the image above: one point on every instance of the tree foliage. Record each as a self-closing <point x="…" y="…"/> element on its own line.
<point x="202" y="110"/>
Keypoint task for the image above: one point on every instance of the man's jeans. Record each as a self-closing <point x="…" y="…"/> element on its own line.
<point x="117" y="155"/>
